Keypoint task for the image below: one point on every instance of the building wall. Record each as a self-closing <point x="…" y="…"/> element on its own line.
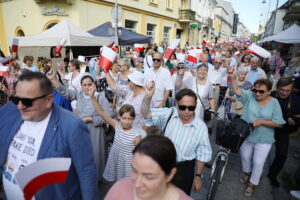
<point x="88" y="14"/>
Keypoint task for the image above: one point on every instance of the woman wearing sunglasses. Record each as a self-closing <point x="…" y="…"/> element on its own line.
<point x="265" y="113"/>
<point x="202" y="87"/>
<point x="86" y="111"/>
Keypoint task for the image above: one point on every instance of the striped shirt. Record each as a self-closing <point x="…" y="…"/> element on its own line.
<point x="190" y="140"/>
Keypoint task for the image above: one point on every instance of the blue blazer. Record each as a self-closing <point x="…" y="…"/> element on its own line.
<point x="66" y="136"/>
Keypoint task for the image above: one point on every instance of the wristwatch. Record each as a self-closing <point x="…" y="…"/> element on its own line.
<point x="200" y="175"/>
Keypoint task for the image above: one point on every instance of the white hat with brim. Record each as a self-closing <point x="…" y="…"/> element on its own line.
<point x="81" y="59"/>
<point x="137" y="78"/>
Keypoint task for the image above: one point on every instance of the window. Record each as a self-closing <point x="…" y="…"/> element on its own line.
<point x="130" y="25"/>
<point x="151" y="31"/>
<point x="168" y="5"/>
<point x="152" y="1"/>
<point x="166" y="35"/>
<point x="19" y="32"/>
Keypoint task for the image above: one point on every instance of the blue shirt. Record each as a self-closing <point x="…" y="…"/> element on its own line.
<point x="62" y="101"/>
<point x="253" y="111"/>
<point x="33" y="68"/>
<point x="252" y="76"/>
<point x="190" y="140"/>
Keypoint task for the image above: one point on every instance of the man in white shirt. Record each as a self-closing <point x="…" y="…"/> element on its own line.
<point x="33" y="128"/>
<point x="163" y="81"/>
<point x="216" y="75"/>
<point x="233" y="61"/>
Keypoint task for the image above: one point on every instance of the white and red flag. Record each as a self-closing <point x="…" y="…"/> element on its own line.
<point x="204" y="42"/>
<point x="5" y="60"/>
<point x="258" y="51"/>
<point x="15" y="45"/>
<point x="138" y="48"/>
<point x="44" y="172"/>
<point x="192" y="57"/>
<point x="171" y="49"/>
<point x="60" y="46"/>
<point x="3" y="70"/>
<point x="107" y="58"/>
<point x="237" y="54"/>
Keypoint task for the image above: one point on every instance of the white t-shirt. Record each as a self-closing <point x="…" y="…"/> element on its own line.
<point x="163" y="82"/>
<point x="23" y="151"/>
<point x="215" y="75"/>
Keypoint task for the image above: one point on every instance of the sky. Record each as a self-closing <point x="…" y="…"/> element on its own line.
<point x="253" y="12"/>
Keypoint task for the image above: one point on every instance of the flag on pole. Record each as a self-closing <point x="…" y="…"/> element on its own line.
<point x="60" y="46"/>
<point x="171" y="49"/>
<point x="107" y="58"/>
<point x="3" y="70"/>
<point x="15" y="45"/>
<point x="258" y="51"/>
<point x="237" y="54"/>
<point x="138" y="48"/>
<point x="192" y="57"/>
<point x="44" y="172"/>
<point x="5" y="60"/>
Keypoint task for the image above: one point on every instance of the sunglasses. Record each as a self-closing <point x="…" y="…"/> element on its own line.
<point x="140" y="61"/>
<point x="218" y="62"/>
<point x="190" y="108"/>
<point x="258" y="91"/>
<point x="156" y="60"/>
<point x="26" y="101"/>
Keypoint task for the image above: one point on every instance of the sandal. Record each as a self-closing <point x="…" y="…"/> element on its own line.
<point x="249" y="190"/>
<point x="245" y="178"/>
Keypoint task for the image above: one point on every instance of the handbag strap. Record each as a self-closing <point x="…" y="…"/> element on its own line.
<point x="147" y="61"/>
<point x="163" y="133"/>
<point x="198" y="94"/>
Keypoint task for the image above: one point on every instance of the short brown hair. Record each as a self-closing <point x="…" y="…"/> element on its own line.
<point x="265" y="82"/>
<point x="127" y="108"/>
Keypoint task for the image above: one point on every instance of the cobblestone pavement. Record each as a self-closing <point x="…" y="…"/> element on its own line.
<point x="231" y="189"/>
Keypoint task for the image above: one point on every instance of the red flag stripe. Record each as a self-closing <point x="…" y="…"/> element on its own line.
<point x="192" y="59"/>
<point x="43" y="180"/>
<point x="169" y="53"/>
<point x="105" y="63"/>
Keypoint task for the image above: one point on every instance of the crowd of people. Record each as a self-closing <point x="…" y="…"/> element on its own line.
<point x="143" y="124"/>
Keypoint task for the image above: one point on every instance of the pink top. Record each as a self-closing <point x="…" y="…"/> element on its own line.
<point x="123" y="189"/>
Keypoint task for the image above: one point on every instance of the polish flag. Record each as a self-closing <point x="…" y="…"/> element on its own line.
<point x="107" y="58"/>
<point x="192" y="57"/>
<point x="204" y="42"/>
<point x="138" y="48"/>
<point x="5" y="60"/>
<point x="42" y="173"/>
<point x="3" y="70"/>
<point x="15" y="45"/>
<point x="237" y="54"/>
<point x="171" y="49"/>
<point x="60" y="46"/>
<point x="199" y="53"/>
<point x="258" y="51"/>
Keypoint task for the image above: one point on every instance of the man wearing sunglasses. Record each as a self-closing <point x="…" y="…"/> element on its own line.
<point x="162" y="78"/>
<point x="33" y="128"/>
<point x="289" y="103"/>
<point x="188" y="133"/>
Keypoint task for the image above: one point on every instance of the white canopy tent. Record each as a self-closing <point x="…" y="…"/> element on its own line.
<point x="290" y="35"/>
<point x="40" y="44"/>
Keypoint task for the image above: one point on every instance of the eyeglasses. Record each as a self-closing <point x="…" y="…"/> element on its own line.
<point x="156" y="60"/>
<point x="140" y="61"/>
<point x="258" y="91"/>
<point x="181" y="67"/>
<point x="190" y="108"/>
<point x="218" y="62"/>
<point x="26" y="101"/>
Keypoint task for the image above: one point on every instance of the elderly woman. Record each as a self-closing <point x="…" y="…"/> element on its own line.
<point x="122" y="79"/>
<point x="133" y="93"/>
<point x="139" y="64"/>
<point x="231" y="104"/>
<point x="202" y="87"/>
<point x="153" y="168"/>
<point x="264" y="112"/>
<point x="87" y="112"/>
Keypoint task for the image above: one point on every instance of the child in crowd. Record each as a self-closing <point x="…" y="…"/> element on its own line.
<point x="126" y="138"/>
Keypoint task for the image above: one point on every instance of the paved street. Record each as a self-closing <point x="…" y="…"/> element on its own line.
<point x="231" y="189"/>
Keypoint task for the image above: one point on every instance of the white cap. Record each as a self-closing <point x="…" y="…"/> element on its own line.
<point x="137" y="78"/>
<point x="81" y="59"/>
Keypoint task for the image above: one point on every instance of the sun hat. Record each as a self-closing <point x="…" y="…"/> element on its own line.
<point x="81" y="59"/>
<point x="137" y="78"/>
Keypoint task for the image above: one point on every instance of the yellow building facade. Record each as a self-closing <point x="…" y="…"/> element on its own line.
<point x="156" y="18"/>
